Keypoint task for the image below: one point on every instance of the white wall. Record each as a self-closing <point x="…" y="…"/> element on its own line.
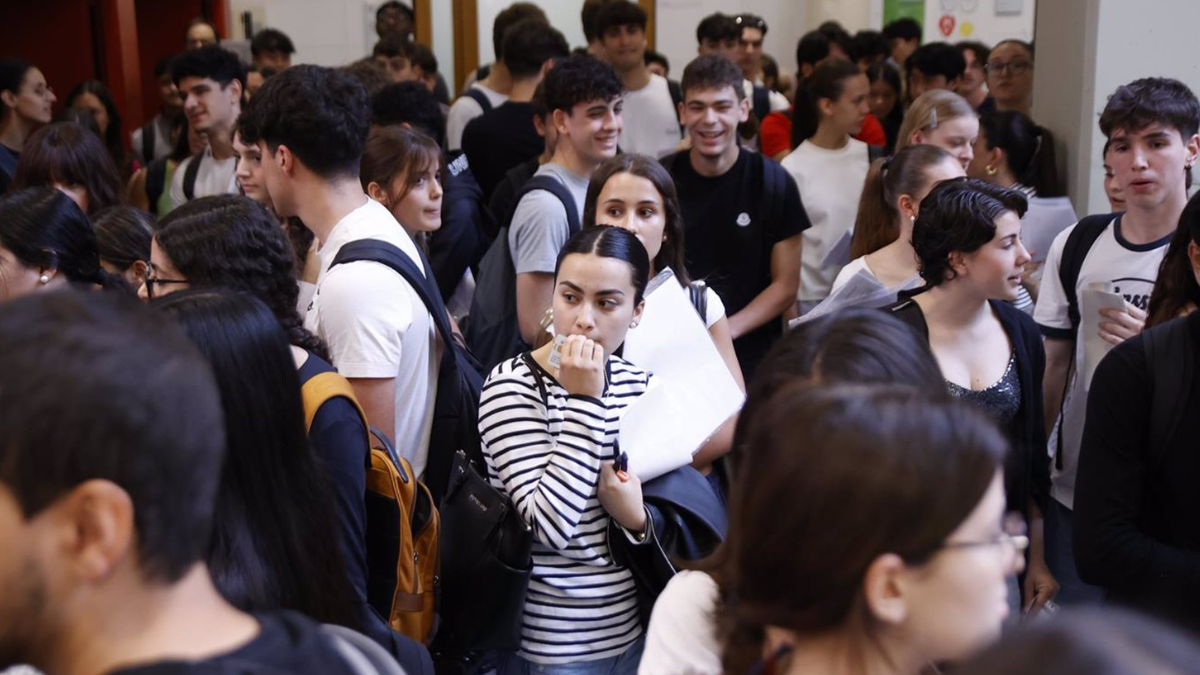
<point x="677" y="20"/>
<point x="563" y="15"/>
<point x="987" y="21"/>
<point x="325" y="32"/>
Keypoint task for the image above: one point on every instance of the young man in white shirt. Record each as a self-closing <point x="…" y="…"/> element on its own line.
<point x="1152" y="126"/>
<point x="652" y="121"/>
<point x="829" y="167"/>
<point x="211" y="81"/>
<point x="583" y="95"/>
<point x="310" y="124"/>
<point x="493" y="89"/>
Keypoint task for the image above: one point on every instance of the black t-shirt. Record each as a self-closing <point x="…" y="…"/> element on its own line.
<point x="503" y="200"/>
<point x="287" y="643"/>
<point x="500" y="139"/>
<point x="729" y="232"/>
<point x="1136" y="507"/>
<point x="6" y="177"/>
<point x="467" y="228"/>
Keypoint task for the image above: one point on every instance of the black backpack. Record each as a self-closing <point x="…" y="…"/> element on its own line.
<point x="189" y="177"/>
<point x="459" y="382"/>
<point x="479" y="97"/>
<point x="493" y="332"/>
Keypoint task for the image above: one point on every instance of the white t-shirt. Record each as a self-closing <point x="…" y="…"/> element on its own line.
<point x="215" y="177"/>
<point x="464" y="110"/>
<point x="651" y="124"/>
<point x="682" y="636"/>
<point x="830" y="182"/>
<point x="376" y="325"/>
<point x="1131" y="269"/>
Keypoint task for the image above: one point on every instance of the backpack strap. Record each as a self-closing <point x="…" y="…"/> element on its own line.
<point x="156" y="182"/>
<point x="189" y="177"/>
<point x="387" y="254"/>
<point x="362" y="654"/>
<point x="676" y="97"/>
<point x="1079" y="242"/>
<point x="774" y="182"/>
<point x="698" y="291"/>
<point x="321" y="388"/>
<point x="8" y="162"/>
<point x="762" y="101"/>
<point x="479" y="97"/>
<point x="148" y="133"/>
<point x="556" y="188"/>
<point x="1171" y="362"/>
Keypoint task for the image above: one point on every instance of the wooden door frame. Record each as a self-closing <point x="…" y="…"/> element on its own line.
<point x="466" y="34"/>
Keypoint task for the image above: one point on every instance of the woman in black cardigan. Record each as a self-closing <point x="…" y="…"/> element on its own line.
<point x="967" y="238"/>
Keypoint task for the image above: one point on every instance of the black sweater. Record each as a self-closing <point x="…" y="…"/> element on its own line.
<point x="1027" y="469"/>
<point x="1137" y="511"/>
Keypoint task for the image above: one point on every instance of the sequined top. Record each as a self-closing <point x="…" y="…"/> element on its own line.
<point x="1001" y="401"/>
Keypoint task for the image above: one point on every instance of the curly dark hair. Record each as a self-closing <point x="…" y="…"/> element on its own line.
<point x="234" y="242"/>
<point x="959" y="215"/>
<point x="213" y="63"/>
<point x="1151" y="100"/>
<point x="579" y="79"/>
<point x="321" y="114"/>
<point x="409" y="103"/>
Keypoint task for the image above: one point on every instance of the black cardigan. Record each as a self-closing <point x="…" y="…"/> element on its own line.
<point x="1136" y="508"/>
<point x="1027" y="469"/>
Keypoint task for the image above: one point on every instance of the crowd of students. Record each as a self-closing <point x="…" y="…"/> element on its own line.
<point x="348" y="282"/>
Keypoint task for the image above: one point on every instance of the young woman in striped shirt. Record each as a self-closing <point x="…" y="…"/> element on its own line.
<point x="549" y="426"/>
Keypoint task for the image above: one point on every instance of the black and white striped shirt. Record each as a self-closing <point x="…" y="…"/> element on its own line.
<point x="546" y="457"/>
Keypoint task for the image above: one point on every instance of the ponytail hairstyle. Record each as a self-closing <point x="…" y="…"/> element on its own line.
<point x="642" y="166"/>
<point x="905" y="173"/>
<point x="930" y="110"/>
<point x="123" y="235"/>
<point x="68" y="154"/>
<point x="1020" y="139"/>
<point x="1176" y="287"/>
<point x="607" y="241"/>
<point x="831" y="460"/>
<point x="234" y="242"/>
<point x="44" y="228"/>
<point x="826" y="82"/>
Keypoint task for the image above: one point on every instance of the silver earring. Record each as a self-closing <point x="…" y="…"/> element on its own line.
<point x="45" y="278"/>
<point x="633" y="325"/>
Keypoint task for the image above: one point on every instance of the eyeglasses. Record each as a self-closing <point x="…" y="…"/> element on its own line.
<point x="1013" y="67"/>
<point x="152" y="281"/>
<point x="1012" y="540"/>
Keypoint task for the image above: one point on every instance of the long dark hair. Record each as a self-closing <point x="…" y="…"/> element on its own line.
<point x="642" y="166"/>
<point x="606" y="241"/>
<point x="66" y="153"/>
<point x="123" y="235"/>
<point x="905" y="173"/>
<point x="234" y="242"/>
<point x="114" y="137"/>
<point x="827" y="81"/>
<point x="1020" y="139"/>
<point x="1176" y="286"/>
<point x="271" y="547"/>
<point x="843" y="474"/>
<point x="44" y="228"/>
<point x="12" y="75"/>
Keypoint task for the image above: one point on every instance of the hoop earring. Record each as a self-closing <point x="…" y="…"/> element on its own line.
<point x="991" y="170"/>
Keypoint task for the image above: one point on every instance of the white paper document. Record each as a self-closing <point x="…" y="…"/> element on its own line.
<point x="692" y="394"/>
<point x="862" y="290"/>
<point x="1091" y="301"/>
<point x="1045" y="219"/>
<point x="839" y="254"/>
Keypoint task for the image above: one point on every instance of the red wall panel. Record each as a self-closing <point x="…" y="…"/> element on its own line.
<point x="56" y="35"/>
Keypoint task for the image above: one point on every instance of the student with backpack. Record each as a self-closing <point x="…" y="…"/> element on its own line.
<point x="549" y="420"/>
<point x="1151" y="125"/>
<point x="829" y="167"/>
<point x="742" y="212"/>
<point x="515" y="283"/>
<point x="380" y="334"/>
<point x="126" y="460"/>
<point x="211" y="81"/>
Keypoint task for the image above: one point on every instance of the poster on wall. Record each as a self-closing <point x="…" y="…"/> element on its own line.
<point x="987" y="21"/>
<point x="903" y="9"/>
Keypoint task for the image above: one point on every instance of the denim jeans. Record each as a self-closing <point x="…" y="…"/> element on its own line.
<point x="625" y="663"/>
<point x="1060" y="558"/>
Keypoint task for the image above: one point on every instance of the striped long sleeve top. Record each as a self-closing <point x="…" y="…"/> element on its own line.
<point x="546" y="457"/>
